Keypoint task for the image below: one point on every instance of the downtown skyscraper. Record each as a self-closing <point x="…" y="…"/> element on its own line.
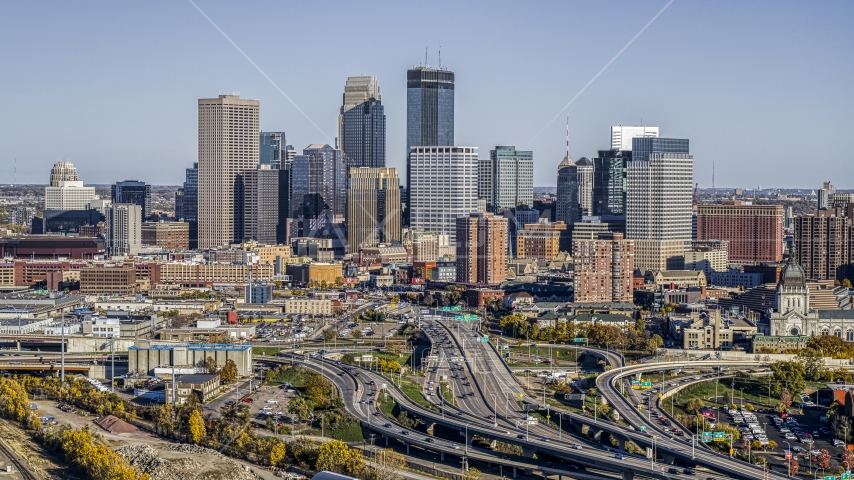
<point x="429" y="107"/>
<point x="659" y="181"/>
<point x="361" y="123"/>
<point x="228" y="145"/>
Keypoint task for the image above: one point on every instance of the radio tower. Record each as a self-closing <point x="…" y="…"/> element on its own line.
<point x="567" y="137"/>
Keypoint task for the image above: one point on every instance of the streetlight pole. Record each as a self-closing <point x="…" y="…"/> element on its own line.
<point x="494" y="410"/>
<point x="789" y="455"/>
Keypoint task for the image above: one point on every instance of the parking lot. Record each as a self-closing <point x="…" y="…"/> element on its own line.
<point x="804" y="433"/>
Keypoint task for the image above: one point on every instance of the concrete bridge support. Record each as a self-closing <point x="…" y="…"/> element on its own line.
<point x="514" y="472"/>
<point x="442" y="456"/>
<point x="407" y="448"/>
<point x="430" y="428"/>
<point x="669" y="459"/>
<point x="621" y="444"/>
<point x="386" y="441"/>
<point x="628" y="475"/>
<point x="528" y="452"/>
<point x="493" y="443"/>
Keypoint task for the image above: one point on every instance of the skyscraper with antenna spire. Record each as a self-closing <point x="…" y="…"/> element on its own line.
<point x="568" y="210"/>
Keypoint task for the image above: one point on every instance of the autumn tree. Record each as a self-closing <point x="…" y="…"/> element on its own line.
<point x="300" y="407"/>
<point x="388" y="465"/>
<point x="356" y="333"/>
<point x="330" y="335"/>
<point x="794" y="467"/>
<point x="228" y="373"/>
<point x="847" y="459"/>
<point x="771" y="445"/>
<point x="473" y="474"/>
<point x="336" y="456"/>
<point x="209" y="364"/>
<point x="655" y="342"/>
<point x="823" y="459"/>
<point x="196" y="426"/>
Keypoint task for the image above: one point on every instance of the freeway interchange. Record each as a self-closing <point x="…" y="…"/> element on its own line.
<point x="490" y="402"/>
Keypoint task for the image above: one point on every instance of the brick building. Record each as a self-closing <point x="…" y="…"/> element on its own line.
<point x="481" y="249"/>
<point x="166" y="235"/>
<point x="543" y="241"/>
<point x="108" y="280"/>
<point x="604" y="269"/>
<point x="824" y="244"/>
<point x="754" y="232"/>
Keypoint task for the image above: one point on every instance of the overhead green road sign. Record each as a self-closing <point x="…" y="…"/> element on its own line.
<point x="457" y="308"/>
<point x="719" y="436"/>
<point x="707" y="437"/>
<point x="458" y="317"/>
<point x="579" y="340"/>
<point x="446" y="309"/>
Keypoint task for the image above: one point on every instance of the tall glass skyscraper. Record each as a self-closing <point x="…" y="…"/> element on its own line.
<point x="135" y="192"/>
<point x="429" y="107"/>
<point x="272" y="149"/>
<point x="429" y="116"/>
<point x="361" y="124"/>
<point x="609" y="182"/>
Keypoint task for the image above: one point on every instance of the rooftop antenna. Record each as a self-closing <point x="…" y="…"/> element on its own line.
<point x="567" y="137"/>
<point x="425" y="54"/>
<point x="440" y="57"/>
<point x="713" y="174"/>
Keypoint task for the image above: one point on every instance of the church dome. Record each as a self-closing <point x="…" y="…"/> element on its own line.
<point x="792" y="274"/>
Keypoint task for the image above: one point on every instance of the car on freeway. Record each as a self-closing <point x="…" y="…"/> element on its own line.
<point x="689" y="471"/>
<point x="429" y="440"/>
<point x="405" y="432"/>
<point x="491" y="417"/>
<point x="673" y="471"/>
<point x="545" y="439"/>
<point x="576" y="446"/>
<point x="521" y="435"/>
<point x="387" y="425"/>
<point x="454" y="446"/>
<point x="619" y="456"/>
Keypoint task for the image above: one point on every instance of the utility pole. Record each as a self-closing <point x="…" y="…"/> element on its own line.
<point x="62" y="350"/>
<point x="113" y="363"/>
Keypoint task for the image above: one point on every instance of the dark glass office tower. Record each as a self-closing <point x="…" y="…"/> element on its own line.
<point x="429" y="107"/>
<point x="609" y="182"/>
<point x="272" y="149"/>
<point x="429" y="113"/>
<point x="187" y="203"/>
<point x="363" y="134"/>
<point x="133" y="191"/>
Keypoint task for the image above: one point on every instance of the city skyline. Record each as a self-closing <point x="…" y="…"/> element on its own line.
<point x="721" y="91"/>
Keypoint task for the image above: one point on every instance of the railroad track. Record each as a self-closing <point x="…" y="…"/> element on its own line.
<point x="22" y="469"/>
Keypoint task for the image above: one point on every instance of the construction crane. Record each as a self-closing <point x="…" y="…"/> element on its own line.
<point x="694" y="197"/>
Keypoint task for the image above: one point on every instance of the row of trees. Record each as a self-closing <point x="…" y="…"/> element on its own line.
<point x="77" y="447"/>
<point x="635" y="336"/>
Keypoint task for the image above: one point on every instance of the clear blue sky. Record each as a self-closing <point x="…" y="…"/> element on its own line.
<point x="763" y="89"/>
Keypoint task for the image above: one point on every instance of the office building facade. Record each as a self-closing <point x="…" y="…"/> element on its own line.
<point x="228" y="145"/>
<point x="659" y="185"/>
<point x="609" y="183"/>
<point x="361" y="123"/>
<point x="272" y="150"/>
<point x="260" y="204"/>
<point x="584" y="167"/>
<point x="133" y="191"/>
<point x="442" y="186"/>
<point x="481" y="249"/>
<point x="68" y="195"/>
<point x="568" y="207"/>
<point x="604" y="269"/>
<point x="429" y="107"/>
<point x="187" y="204"/>
<point x="754" y="233"/>
<point x="512" y="177"/>
<point x="166" y="235"/>
<point x="124" y="229"/>
<point x="373" y="207"/>
<point x="318" y="182"/>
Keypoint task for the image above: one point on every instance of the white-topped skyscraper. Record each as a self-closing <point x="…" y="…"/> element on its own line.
<point x="621" y="136"/>
<point x="659" y="181"/>
<point x="442" y="187"/>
